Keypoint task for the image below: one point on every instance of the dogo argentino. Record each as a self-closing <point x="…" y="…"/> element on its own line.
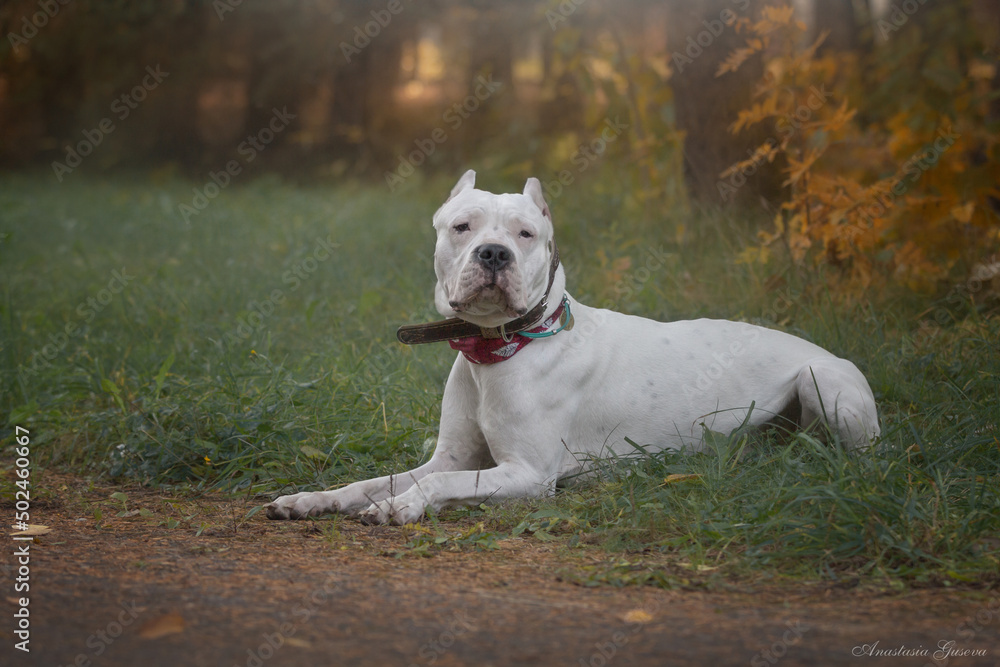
<point x="543" y="384"/>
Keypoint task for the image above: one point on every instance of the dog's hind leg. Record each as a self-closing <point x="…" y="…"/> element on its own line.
<point x="834" y="392"/>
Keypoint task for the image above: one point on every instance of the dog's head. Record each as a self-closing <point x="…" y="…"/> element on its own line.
<point x="493" y="252"/>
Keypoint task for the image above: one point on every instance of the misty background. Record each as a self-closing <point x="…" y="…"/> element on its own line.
<point x="630" y="98"/>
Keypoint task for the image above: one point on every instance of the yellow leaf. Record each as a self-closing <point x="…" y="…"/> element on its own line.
<point x="755" y="114"/>
<point x="778" y="14"/>
<point x="733" y="61"/>
<point x="752" y="255"/>
<point x="841" y="118"/>
<point x="699" y="567"/>
<point x="981" y="69"/>
<point x="673" y="479"/>
<point x="796" y="170"/>
<point x="33" y="530"/>
<point x="964" y="213"/>
<point x="161" y="626"/>
<point x="765" y="152"/>
<point x="637" y="616"/>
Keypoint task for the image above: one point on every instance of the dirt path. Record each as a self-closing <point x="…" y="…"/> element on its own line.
<point x="130" y="591"/>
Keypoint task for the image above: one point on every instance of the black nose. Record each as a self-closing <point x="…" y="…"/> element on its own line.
<point x="493" y="256"/>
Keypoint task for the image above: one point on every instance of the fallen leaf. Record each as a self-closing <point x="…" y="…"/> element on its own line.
<point x="964" y="213"/>
<point x="980" y="69"/>
<point x="638" y="616"/>
<point x="698" y="568"/>
<point x="32" y="531"/>
<point x="161" y="626"/>
<point x="312" y="452"/>
<point x="298" y="643"/>
<point x="673" y="479"/>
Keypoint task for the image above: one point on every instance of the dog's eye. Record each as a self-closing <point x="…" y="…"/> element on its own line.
<point x="527" y="235"/>
<point x="461" y="227"/>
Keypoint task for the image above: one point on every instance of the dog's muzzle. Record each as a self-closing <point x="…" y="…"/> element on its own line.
<point x="432" y="332"/>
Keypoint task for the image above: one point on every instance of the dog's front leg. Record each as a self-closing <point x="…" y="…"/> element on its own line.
<point x="354" y="497"/>
<point x="461" y="446"/>
<point x="454" y="489"/>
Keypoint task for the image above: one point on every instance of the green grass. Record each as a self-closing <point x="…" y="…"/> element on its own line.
<point x="231" y="361"/>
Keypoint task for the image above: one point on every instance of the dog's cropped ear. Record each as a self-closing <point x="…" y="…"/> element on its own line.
<point x="467" y="181"/>
<point x="533" y="188"/>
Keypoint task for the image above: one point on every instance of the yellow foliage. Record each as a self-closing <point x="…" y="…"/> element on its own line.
<point x="774" y="17"/>
<point x="766" y="152"/>
<point x="963" y="213"/>
<point x="735" y="59"/>
<point x="754" y="114"/>
<point x="891" y="201"/>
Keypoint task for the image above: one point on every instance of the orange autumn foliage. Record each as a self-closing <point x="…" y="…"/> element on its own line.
<point x="910" y="195"/>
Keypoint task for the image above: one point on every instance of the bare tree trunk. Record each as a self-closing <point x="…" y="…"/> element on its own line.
<point x="699" y="39"/>
<point x="986" y="14"/>
<point x="836" y="17"/>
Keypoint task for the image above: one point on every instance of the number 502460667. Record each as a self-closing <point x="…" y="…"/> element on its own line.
<point x="23" y="471"/>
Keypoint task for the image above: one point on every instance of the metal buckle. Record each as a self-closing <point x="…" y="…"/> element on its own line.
<point x="497" y="332"/>
<point x="501" y="331"/>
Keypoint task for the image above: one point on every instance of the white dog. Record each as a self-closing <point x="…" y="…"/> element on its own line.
<point x="543" y="384"/>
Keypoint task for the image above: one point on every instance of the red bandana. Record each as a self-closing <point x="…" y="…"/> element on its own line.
<point x="479" y="350"/>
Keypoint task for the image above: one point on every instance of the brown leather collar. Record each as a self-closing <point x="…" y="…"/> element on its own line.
<point x="455" y="327"/>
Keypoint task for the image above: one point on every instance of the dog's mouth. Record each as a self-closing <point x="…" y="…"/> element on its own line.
<point x="480" y="293"/>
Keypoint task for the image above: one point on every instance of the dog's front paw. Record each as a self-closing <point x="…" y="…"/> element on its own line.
<point x="392" y="510"/>
<point x="301" y="506"/>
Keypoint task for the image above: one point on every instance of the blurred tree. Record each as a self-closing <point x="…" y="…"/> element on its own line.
<point x="909" y="195"/>
<point x="838" y="18"/>
<point x="369" y="84"/>
<point x="700" y="36"/>
<point x="986" y="19"/>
